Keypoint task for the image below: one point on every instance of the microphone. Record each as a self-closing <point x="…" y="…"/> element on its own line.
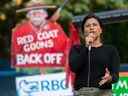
<point x="89" y="47"/>
<point x="89" y="40"/>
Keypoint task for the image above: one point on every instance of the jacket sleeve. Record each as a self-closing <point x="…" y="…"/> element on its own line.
<point x="115" y="65"/>
<point x="75" y="62"/>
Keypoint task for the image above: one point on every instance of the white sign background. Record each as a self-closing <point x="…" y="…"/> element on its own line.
<point x="43" y="85"/>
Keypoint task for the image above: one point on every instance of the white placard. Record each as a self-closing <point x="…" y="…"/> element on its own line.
<point x="43" y="85"/>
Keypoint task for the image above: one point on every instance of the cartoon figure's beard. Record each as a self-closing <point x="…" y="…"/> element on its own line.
<point x="38" y="21"/>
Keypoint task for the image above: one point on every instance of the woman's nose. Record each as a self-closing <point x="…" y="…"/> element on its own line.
<point x="91" y="27"/>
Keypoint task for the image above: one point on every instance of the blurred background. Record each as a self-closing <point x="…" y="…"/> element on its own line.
<point x="115" y="33"/>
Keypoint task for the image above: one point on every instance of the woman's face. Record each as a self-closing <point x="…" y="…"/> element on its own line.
<point x="92" y="26"/>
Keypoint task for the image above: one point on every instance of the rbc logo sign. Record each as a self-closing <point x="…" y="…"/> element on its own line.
<point x="35" y="85"/>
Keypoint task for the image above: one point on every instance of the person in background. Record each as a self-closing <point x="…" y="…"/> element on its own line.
<point x="96" y="65"/>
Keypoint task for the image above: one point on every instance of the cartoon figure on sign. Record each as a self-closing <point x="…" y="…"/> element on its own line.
<point x="39" y="41"/>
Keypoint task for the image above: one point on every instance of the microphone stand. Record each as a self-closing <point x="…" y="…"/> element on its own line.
<point x="89" y="62"/>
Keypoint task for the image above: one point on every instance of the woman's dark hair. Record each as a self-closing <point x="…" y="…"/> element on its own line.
<point x="88" y="16"/>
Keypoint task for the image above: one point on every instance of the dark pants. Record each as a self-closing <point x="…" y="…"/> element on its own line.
<point x="91" y="91"/>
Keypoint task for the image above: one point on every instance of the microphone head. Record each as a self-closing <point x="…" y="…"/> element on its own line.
<point x="89" y="47"/>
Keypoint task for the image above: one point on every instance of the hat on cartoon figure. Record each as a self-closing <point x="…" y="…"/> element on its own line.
<point x="36" y="4"/>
